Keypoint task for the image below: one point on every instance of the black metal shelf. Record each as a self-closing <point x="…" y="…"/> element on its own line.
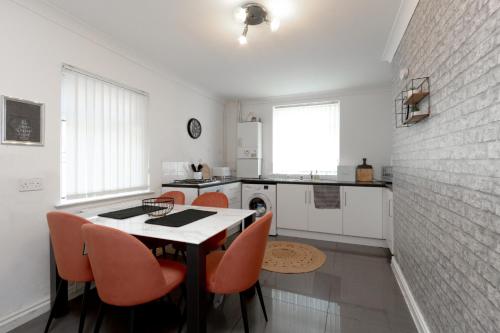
<point x="412" y="104"/>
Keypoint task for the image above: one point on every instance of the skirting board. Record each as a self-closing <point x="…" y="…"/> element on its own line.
<point x="22" y="316"/>
<point x="411" y="302"/>
<point x="333" y="238"/>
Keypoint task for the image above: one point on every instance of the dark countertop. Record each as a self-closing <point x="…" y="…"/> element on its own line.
<point x="375" y="183"/>
<point x="272" y="181"/>
<point x="220" y="182"/>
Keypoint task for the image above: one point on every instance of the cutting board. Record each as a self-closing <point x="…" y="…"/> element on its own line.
<point x="206" y="172"/>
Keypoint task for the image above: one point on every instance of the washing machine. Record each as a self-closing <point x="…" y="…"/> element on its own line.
<point x="261" y="198"/>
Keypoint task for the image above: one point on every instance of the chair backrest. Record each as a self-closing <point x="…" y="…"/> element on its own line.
<point x="211" y="199"/>
<point x="67" y="243"/>
<point x="126" y="273"/>
<point x="178" y="196"/>
<point x="240" y="266"/>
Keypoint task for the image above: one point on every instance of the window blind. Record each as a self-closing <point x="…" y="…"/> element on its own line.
<point x="306" y="138"/>
<point x="103" y="137"/>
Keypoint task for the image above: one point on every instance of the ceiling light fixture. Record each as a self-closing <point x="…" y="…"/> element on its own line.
<point x="254" y="14"/>
<point x="243" y="38"/>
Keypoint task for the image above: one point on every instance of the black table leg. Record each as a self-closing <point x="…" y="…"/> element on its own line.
<point x="196" y="289"/>
<point x="62" y="306"/>
<point x="249" y="220"/>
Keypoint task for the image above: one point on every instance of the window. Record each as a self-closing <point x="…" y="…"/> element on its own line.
<point x="103" y="137"/>
<point x="306" y="138"/>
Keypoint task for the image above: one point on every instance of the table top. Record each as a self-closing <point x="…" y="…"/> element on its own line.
<point x="195" y="233"/>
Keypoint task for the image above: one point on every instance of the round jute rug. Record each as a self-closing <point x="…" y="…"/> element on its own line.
<point x="290" y="257"/>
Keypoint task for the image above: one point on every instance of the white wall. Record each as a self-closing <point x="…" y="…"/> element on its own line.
<point x="366" y="125"/>
<point x="33" y="50"/>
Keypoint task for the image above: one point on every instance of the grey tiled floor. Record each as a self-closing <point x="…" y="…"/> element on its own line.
<point x="353" y="292"/>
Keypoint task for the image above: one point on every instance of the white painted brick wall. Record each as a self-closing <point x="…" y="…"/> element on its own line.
<point x="447" y="168"/>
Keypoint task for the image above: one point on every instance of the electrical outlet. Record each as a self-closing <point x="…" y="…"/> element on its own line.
<point x="30" y="184"/>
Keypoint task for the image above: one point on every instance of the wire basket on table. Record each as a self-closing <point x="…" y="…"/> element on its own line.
<point x="158" y="207"/>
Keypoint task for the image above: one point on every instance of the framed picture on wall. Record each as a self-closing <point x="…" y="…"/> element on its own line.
<point x="22" y="122"/>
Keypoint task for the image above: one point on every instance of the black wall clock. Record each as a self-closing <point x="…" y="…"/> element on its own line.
<point x="194" y="128"/>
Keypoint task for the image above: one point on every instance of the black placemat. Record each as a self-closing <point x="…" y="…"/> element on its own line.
<point x="181" y="218"/>
<point x="130" y="212"/>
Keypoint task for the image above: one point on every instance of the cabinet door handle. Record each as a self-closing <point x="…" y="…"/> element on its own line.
<point x="390" y="204"/>
<point x="345" y="199"/>
<point x="305" y="197"/>
<point x="310" y="195"/>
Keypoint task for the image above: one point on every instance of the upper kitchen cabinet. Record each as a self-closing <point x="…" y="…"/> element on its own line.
<point x="362" y="211"/>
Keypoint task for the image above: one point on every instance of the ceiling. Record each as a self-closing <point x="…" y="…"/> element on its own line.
<point x="321" y="45"/>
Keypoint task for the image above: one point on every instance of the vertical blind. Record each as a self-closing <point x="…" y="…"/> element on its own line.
<point x="306" y="138"/>
<point x="103" y="134"/>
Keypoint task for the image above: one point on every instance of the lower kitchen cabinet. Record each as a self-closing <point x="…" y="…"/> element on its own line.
<point x="362" y="211"/>
<point x="296" y="210"/>
<point x="327" y="220"/>
<point x="292" y="206"/>
<point x="189" y="193"/>
<point x="388" y="217"/>
<point x="231" y="190"/>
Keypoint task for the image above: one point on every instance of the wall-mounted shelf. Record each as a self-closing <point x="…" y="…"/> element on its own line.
<point x="412" y="104"/>
<point x="414" y="97"/>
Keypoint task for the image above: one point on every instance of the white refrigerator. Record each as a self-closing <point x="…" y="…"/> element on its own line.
<point x="249" y="155"/>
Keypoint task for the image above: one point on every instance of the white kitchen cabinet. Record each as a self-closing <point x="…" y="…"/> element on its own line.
<point x="323" y="220"/>
<point x="189" y="192"/>
<point x="388" y="217"/>
<point x="231" y="190"/>
<point x="362" y="211"/>
<point x="292" y="208"/>
<point x="296" y="210"/>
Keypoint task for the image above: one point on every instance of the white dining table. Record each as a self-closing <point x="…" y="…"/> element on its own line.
<point x="194" y="235"/>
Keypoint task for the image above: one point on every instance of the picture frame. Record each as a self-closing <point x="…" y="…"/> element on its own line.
<point x="22" y="122"/>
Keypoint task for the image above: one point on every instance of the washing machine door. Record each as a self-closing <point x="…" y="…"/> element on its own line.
<point x="260" y="203"/>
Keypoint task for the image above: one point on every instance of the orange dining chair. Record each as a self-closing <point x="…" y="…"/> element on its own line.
<point x="237" y="269"/>
<point x="154" y="243"/>
<point x="208" y="199"/>
<point x="178" y="196"/>
<point x="219" y="200"/>
<point x="125" y="271"/>
<point x="67" y="244"/>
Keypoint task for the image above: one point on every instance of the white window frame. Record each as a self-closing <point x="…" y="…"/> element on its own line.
<point x="279" y="171"/>
<point x="107" y="193"/>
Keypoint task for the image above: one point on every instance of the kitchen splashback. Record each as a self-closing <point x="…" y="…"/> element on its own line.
<point x="172" y="171"/>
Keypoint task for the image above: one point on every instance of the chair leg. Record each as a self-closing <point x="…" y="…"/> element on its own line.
<point x="83" y="312"/>
<point x="244" y="311"/>
<point x="100" y="316"/>
<point x="176" y="254"/>
<point x="183" y="297"/>
<point x="164" y="251"/>
<point x="52" y="311"/>
<point x="132" y="320"/>
<point x="184" y="256"/>
<point x="261" y="299"/>
<point x="183" y="318"/>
